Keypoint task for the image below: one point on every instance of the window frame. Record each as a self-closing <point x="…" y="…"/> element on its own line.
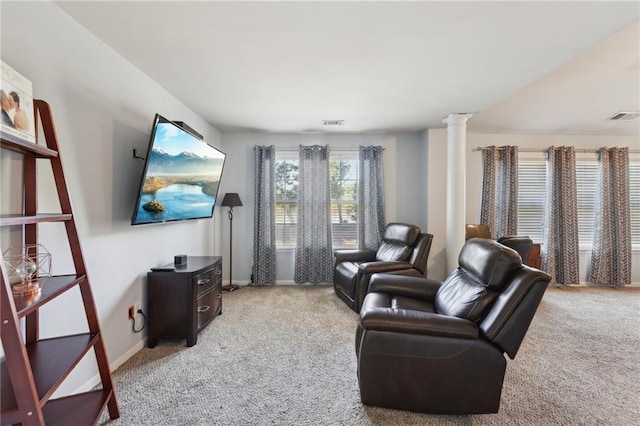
<point x="288" y="155"/>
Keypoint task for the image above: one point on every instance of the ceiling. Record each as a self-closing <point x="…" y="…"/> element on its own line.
<point x="519" y="67"/>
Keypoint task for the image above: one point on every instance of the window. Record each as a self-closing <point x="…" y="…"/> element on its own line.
<point x="344" y="199"/>
<point x="286" y="199"/>
<point x="634" y="196"/>
<point x="344" y="178"/>
<point x="586" y="187"/>
<point x="531" y="196"/>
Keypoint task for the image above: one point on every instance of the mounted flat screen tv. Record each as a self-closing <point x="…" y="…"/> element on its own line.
<point x="181" y="176"/>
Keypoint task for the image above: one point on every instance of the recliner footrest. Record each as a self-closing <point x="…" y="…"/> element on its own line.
<point x="429" y="374"/>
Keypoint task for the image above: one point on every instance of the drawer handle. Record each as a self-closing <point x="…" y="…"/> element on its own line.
<point x="203" y="309"/>
<point x="203" y="282"/>
<point x="219" y="272"/>
<point x="219" y="296"/>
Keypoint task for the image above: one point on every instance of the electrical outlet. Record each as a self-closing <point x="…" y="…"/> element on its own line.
<point x="134" y="310"/>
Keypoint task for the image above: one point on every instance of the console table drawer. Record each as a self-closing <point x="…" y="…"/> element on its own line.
<point x="204" y="282"/>
<point x="208" y="306"/>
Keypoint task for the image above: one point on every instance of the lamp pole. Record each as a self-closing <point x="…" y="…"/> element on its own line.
<point x="231" y="286"/>
<point x="231" y="200"/>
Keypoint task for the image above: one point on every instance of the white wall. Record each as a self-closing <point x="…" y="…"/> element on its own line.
<point x="102" y="107"/>
<point x="437" y="140"/>
<point x="404" y="172"/>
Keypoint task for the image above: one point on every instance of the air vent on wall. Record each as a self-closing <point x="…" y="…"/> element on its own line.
<point x="332" y="122"/>
<point x="624" y="116"/>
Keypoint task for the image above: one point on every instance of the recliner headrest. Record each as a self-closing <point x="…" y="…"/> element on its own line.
<point x="401" y="233"/>
<point x="488" y="262"/>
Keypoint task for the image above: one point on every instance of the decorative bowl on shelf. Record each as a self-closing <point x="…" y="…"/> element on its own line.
<point x="28" y="268"/>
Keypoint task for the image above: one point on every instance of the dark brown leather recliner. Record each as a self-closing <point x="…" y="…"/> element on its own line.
<point x="520" y="243"/>
<point x="436" y="347"/>
<point x="404" y="250"/>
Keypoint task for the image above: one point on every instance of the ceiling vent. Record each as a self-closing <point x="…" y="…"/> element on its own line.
<point x="332" y="122"/>
<point x="624" y="116"/>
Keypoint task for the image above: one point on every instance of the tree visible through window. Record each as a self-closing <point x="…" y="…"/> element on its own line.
<point x="286" y="200"/>
<point x="344" y="201"/>
<point x="344" y="198"/>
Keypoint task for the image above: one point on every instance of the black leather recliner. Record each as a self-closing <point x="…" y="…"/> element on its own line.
<point x="404" y="250"/>
<point x="436" y="347"/>
<point x="520" y="243"/>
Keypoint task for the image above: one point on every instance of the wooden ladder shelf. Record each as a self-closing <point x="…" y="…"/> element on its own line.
<point x="34" y="368"/>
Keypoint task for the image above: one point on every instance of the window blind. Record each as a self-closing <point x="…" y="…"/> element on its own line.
<point x="634" y="198"/>
<point x="531" y="194"/>
<point x="531" y="197"/>
<point x="586" y="186"/>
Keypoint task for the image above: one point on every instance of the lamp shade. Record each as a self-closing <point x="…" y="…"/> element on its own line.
<point x="231" y="199"/>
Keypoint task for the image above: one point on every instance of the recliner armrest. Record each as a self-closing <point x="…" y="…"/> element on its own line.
<point x="402" y="285"/>
<point x="417" y="322"/>
<point x="347" y="255"/>
<point x="383" y="266"/>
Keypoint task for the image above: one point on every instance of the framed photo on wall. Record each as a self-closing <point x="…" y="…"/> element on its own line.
<point x="17" y="104"/>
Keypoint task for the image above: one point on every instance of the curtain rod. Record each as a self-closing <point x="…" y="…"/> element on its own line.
<point x="594" y="151"/>
<point x="297" y="148"/>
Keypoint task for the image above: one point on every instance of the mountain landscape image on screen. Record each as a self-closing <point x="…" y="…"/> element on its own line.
<point x="179" y="186"/>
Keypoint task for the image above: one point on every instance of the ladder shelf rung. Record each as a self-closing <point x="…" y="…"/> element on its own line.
<point x="79" y="409"/>
<point x="16" y="144"/>
<point x="52" y="287"/>
<point x="51" y="361"/>
<point x="17" y="219"/>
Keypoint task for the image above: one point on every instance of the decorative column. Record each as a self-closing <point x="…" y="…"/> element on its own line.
<point x="456" y="185"/>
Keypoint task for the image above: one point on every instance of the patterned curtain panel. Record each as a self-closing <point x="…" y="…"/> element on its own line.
<point x="489" y="178"/>
<point x="314" y="256"/>
<point x="560" y="247"/>
<point x="499" y="208"/>
<point x="371" y="216"/>
<point x="611" y="249"/>
<point x="264" y="216"/>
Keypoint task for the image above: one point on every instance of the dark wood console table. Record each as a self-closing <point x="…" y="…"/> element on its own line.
<point x="184" y="300"/>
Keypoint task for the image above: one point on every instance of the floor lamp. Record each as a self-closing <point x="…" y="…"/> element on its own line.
<point x="231" y="200"/>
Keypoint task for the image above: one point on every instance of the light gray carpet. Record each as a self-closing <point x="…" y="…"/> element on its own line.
<point x="284" y="355"/>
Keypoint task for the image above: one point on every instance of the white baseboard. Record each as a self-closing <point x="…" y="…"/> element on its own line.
<point x="586" y="284"/>
<point x="279" y="282"/>
<point x="95" y="380"/>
